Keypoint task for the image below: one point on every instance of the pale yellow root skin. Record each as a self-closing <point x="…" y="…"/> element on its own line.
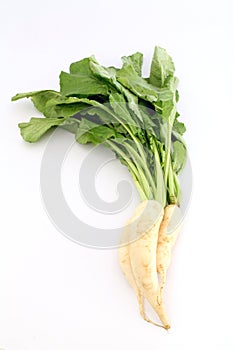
<point x="168" y="233"/>
<point x="125" y="264"/>
<point x="138" y="260"/>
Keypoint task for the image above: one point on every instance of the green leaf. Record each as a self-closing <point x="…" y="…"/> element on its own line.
<point x="71" y="125"/>
<point x="129" y="78"/>
<point x="103" y="115"/>
<point x="100" y="71"/>
<point x="178" y="156"/>
<point x="81" y="81"/>
<point x="52" y="104"/>
<point x="62" y="109"/>
<point x="169" y="111"/>
<point x="169" y="107"/>
<point x="37" y="127"/>
<point x="31" y="94"/>
<point x="162" y="67"/>
<point x="100" y="111"/>
<point x="40" y="100"/>
<point x="179" y="127"/>
<point x="119" y="106"/>
<point x="109" y="75"/>
<point x="89" y="132"/>
<point x="134" y="60"/>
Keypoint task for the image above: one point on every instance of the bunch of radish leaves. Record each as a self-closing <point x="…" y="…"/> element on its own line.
<point x="135" y="117"/>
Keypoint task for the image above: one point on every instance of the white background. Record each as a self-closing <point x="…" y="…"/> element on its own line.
<point x="55" y="294"/>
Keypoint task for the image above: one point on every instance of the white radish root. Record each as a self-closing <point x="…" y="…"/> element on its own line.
<point x="141" y="256"/>
<point x="125" y="264"/>
<point x="168" y="232"/>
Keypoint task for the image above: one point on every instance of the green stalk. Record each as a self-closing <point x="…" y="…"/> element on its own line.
<point x="168" y="145"/>
<point x="140" y="190"/>
<point x="171" y="186"/>
<point x="177" y="187"/>
<point x="167" y="150"/>
<point x="143" y="164"/>
<point x="141" y="176"/>
<point x="160" y="194"/>
<point x="140" y="182"/>
<point x="129" y="132"/>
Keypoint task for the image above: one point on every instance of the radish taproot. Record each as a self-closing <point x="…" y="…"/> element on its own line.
<point x="168" y="233"/>
<point x="137" y="259"/>
<point x="142" y="254"/>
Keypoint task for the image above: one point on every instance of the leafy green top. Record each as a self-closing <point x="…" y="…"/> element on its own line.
<point x="135" y="117"/>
